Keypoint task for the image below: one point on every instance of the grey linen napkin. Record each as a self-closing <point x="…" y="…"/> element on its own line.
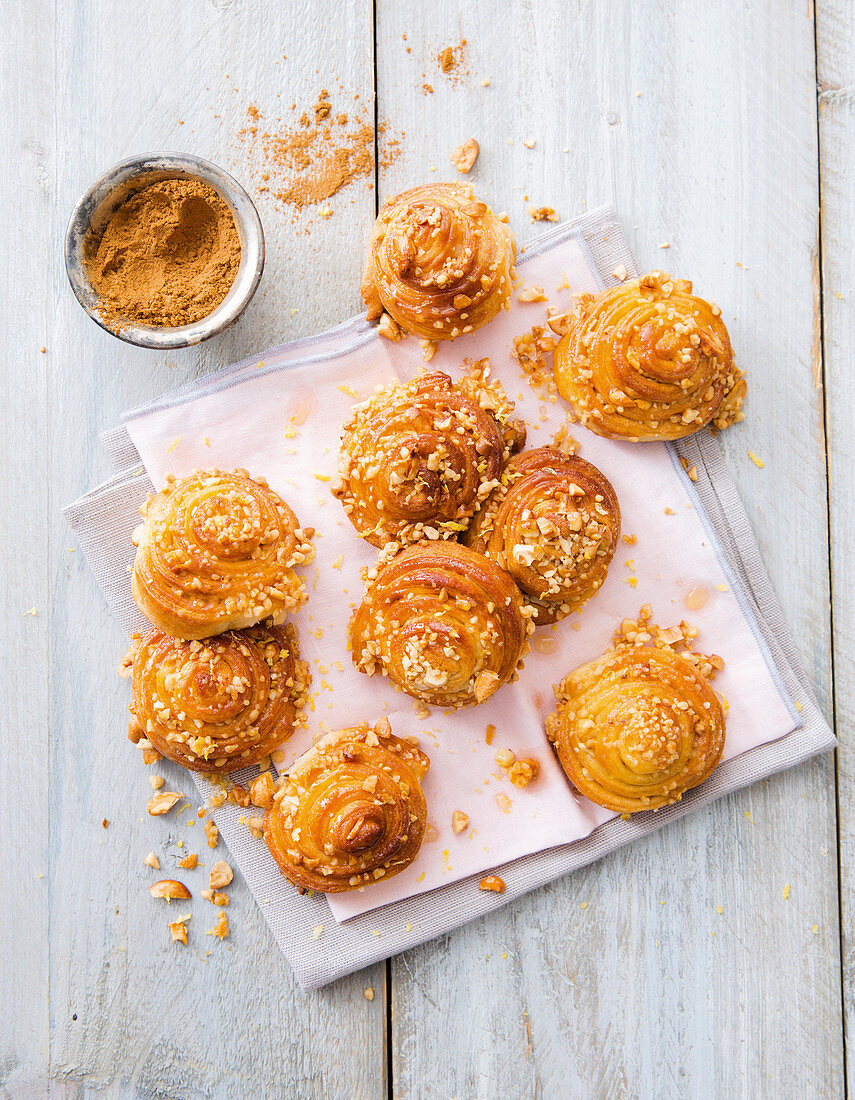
<point x="104" y="519"/>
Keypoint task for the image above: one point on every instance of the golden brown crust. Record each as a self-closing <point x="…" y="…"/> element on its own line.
<point x="216" y="552"/>
<point x="553" y="524"/>
<point x="445" y="624"/>
<point x="221" y="703"/>
<point x="649" y="360"/>
<point x="350" y="812"/>
<point x="640" y="725"/>
<point x="440" y="262"/>
<point x="418" y="458"/>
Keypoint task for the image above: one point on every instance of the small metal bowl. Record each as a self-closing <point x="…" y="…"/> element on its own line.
<point x="95" y="209"/>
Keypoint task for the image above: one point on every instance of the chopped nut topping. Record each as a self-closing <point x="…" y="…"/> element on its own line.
<point x="465" y="155"/>
<point x="368" y="994"/>
<point x="238" y="795"/>
<point x="168" y="888"/>
<point x="220" y="899"/>
<point x="523" y="772"/>
<point x="162" y="803"/>
<point x="620" y="273"/>
<point x="220" y="929"/>
<point x="256" y="825"/>
<point x="151" y="860"/>
<point x="505" y="757"/>
<point x="179" y="931"/>
<point x="261" y="791"/>
<point x="492" y="882"/>
<point x="543" y="214"/>
<point x="156" y="781"/>
<point x="212" y="833"/>
<point x="221" y="874"/>
<point x="189" y="862"/>
<point x="388" y="327"/>
<point x="459" y="821"/>
<point x="531" y="294"/>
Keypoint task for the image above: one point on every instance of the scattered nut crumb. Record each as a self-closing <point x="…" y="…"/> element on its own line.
<point x="490" y="733"/>
<point x="318" y="932"/>
<point x="151" y="860"/>
<point x="256" y="825"/>
<point x="238" y="795"/>
<point x="220" y="899"/>
<point x="465" y="155"/>
<point x="162" y="803"/>
<point x="459" y="821"/>
<point x="189" y="862"/>
<point x="388" y="327"/>
<point x="492" y="882"/>
<point x="179" y="931"/>
<point x="220" y="929"/>
<point x="221" y="874"/>
<point x="504" y="803"/>
<point x="531" y="294"/>
<point x="523" y="772"/>
<point x="543" y="214"/>
<point x="620" y="273"/>
<point x="758" y="462"/>
<point x="261" y="791"/>
<point x="368" y="994"/>
<point x="530" y="143"/>
<point x="168" y="888"/>
<point x="212" y="833"/>
<point x="505" y="757"/>
<point x="428" y="349"/>
<point x="156" y="781"/>
<point x="150" y="756"/>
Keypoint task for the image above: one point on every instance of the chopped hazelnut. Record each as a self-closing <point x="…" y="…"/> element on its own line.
<point x="523" y="772"/>
<point x="532" y="294"/>
<point x="388" y="327"/>
<point x="221" y="874"/>
<point x="151" y="860"/>
<point x="465" y="155"/>
<point x="368" y="994"/>
<point x="261" y="791"/>
<point x="220" y="899"/>
<point x="256" y="825"/>
<point x="220" y="929"/>
<point x="162" y="803"/>
<point x="212" y="833"/>
<point x="168" y="888"/>
<point x="492" y="882"/>
<point x="543" y="214"/>
<point x="238" y="795"/>
<point x="459" y="821"/>
<point x="189" y="862"/>
<point x="156" y="781"/>
<point x="505" y="757"/>
<point x="179" y="932"/>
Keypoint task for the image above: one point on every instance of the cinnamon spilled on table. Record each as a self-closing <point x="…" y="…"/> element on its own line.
<point x="168" y="256"/>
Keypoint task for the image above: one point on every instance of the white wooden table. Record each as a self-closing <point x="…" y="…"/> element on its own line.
<point x="724" y="129"/>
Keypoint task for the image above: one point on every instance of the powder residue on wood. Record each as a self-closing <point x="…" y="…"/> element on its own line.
<point x="450" y="60"/>
<point x="306" y="161"/>
<point x="167" y="257"/>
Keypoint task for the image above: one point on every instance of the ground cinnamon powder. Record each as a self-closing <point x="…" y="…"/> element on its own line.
<point x="168" y="256"/>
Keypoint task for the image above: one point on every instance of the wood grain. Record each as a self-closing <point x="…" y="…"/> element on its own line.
<point x="699" y="123"/>
<point x="130" y="1013"/>
<point x="836" y="89"/>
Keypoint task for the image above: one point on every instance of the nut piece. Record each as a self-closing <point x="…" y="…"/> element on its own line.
<point x="150" y="756"/>
<point x="368" y="994"/>
<point x="459" y="821"/>
<point x="238" y="795"/>
<point x="492" y="882"/>
<point x="220" y="899"/>
<point x="531" y="294"/>
<point x="428" y="349"/>
<point x="221" y="874"/>
<point x="261" y="791"/>
<point x="256" y="825"/>
<point x="220" y="929"/>
<point x="505" y="757"/>
<point x="151" y="860"/>
<point x="162" y="803"/>
<point x="465" y="155"/>
<point x="212" y="833"/>
<point x="523" y="772"/>
<point x="388" y="327"/>
<point x="189" y="862"/>
<point x="179" y="932"/>
<point x="156" y="781"/>
<point x="168" y="888"/>
<point x="543" y="214"/>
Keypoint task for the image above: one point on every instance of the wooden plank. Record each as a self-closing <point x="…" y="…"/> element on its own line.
<point x="699" y="123"/>
<point x="26" y="194"/>
<point x="133" y="1015"/>
<point x="835" y="40"/>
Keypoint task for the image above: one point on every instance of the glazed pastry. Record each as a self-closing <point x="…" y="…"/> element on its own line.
<point x="418" y="458"/>
<point x="553" y="523"/>
<point x="445" y="624"/>
<point x="216" y="552"/>
<point x="440" y="262"/>
<point x="641" y="725"/>
<point x="350" y="812"/>
<point x="648" y="360"/>
<point x="218" y="704"/>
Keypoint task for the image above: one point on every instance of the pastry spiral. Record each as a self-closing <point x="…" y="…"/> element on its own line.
<point x="446" y="625"/>
<point x="440" y="262"/>
<point x="553" y="524"/>
<point x="216" y="552"/>
<point x="418" y="458"/>
<point x="350" y="811"/>
<point x="221" y="703"/>
<point x="648" y="360"/>
<point x="639" y="726"/>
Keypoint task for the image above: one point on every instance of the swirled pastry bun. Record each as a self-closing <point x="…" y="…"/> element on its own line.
<point x="638" y="727"/>
<point x="446" y="625"/>
<point x="440" y="262"/>
<point x="350" y="812"/>
<point x="216" y="551"/>
<point x="648" y="360"/>
<point x="221" y="703"/>
<point x="418" y="458"/>
<point x="553" y="523"/>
